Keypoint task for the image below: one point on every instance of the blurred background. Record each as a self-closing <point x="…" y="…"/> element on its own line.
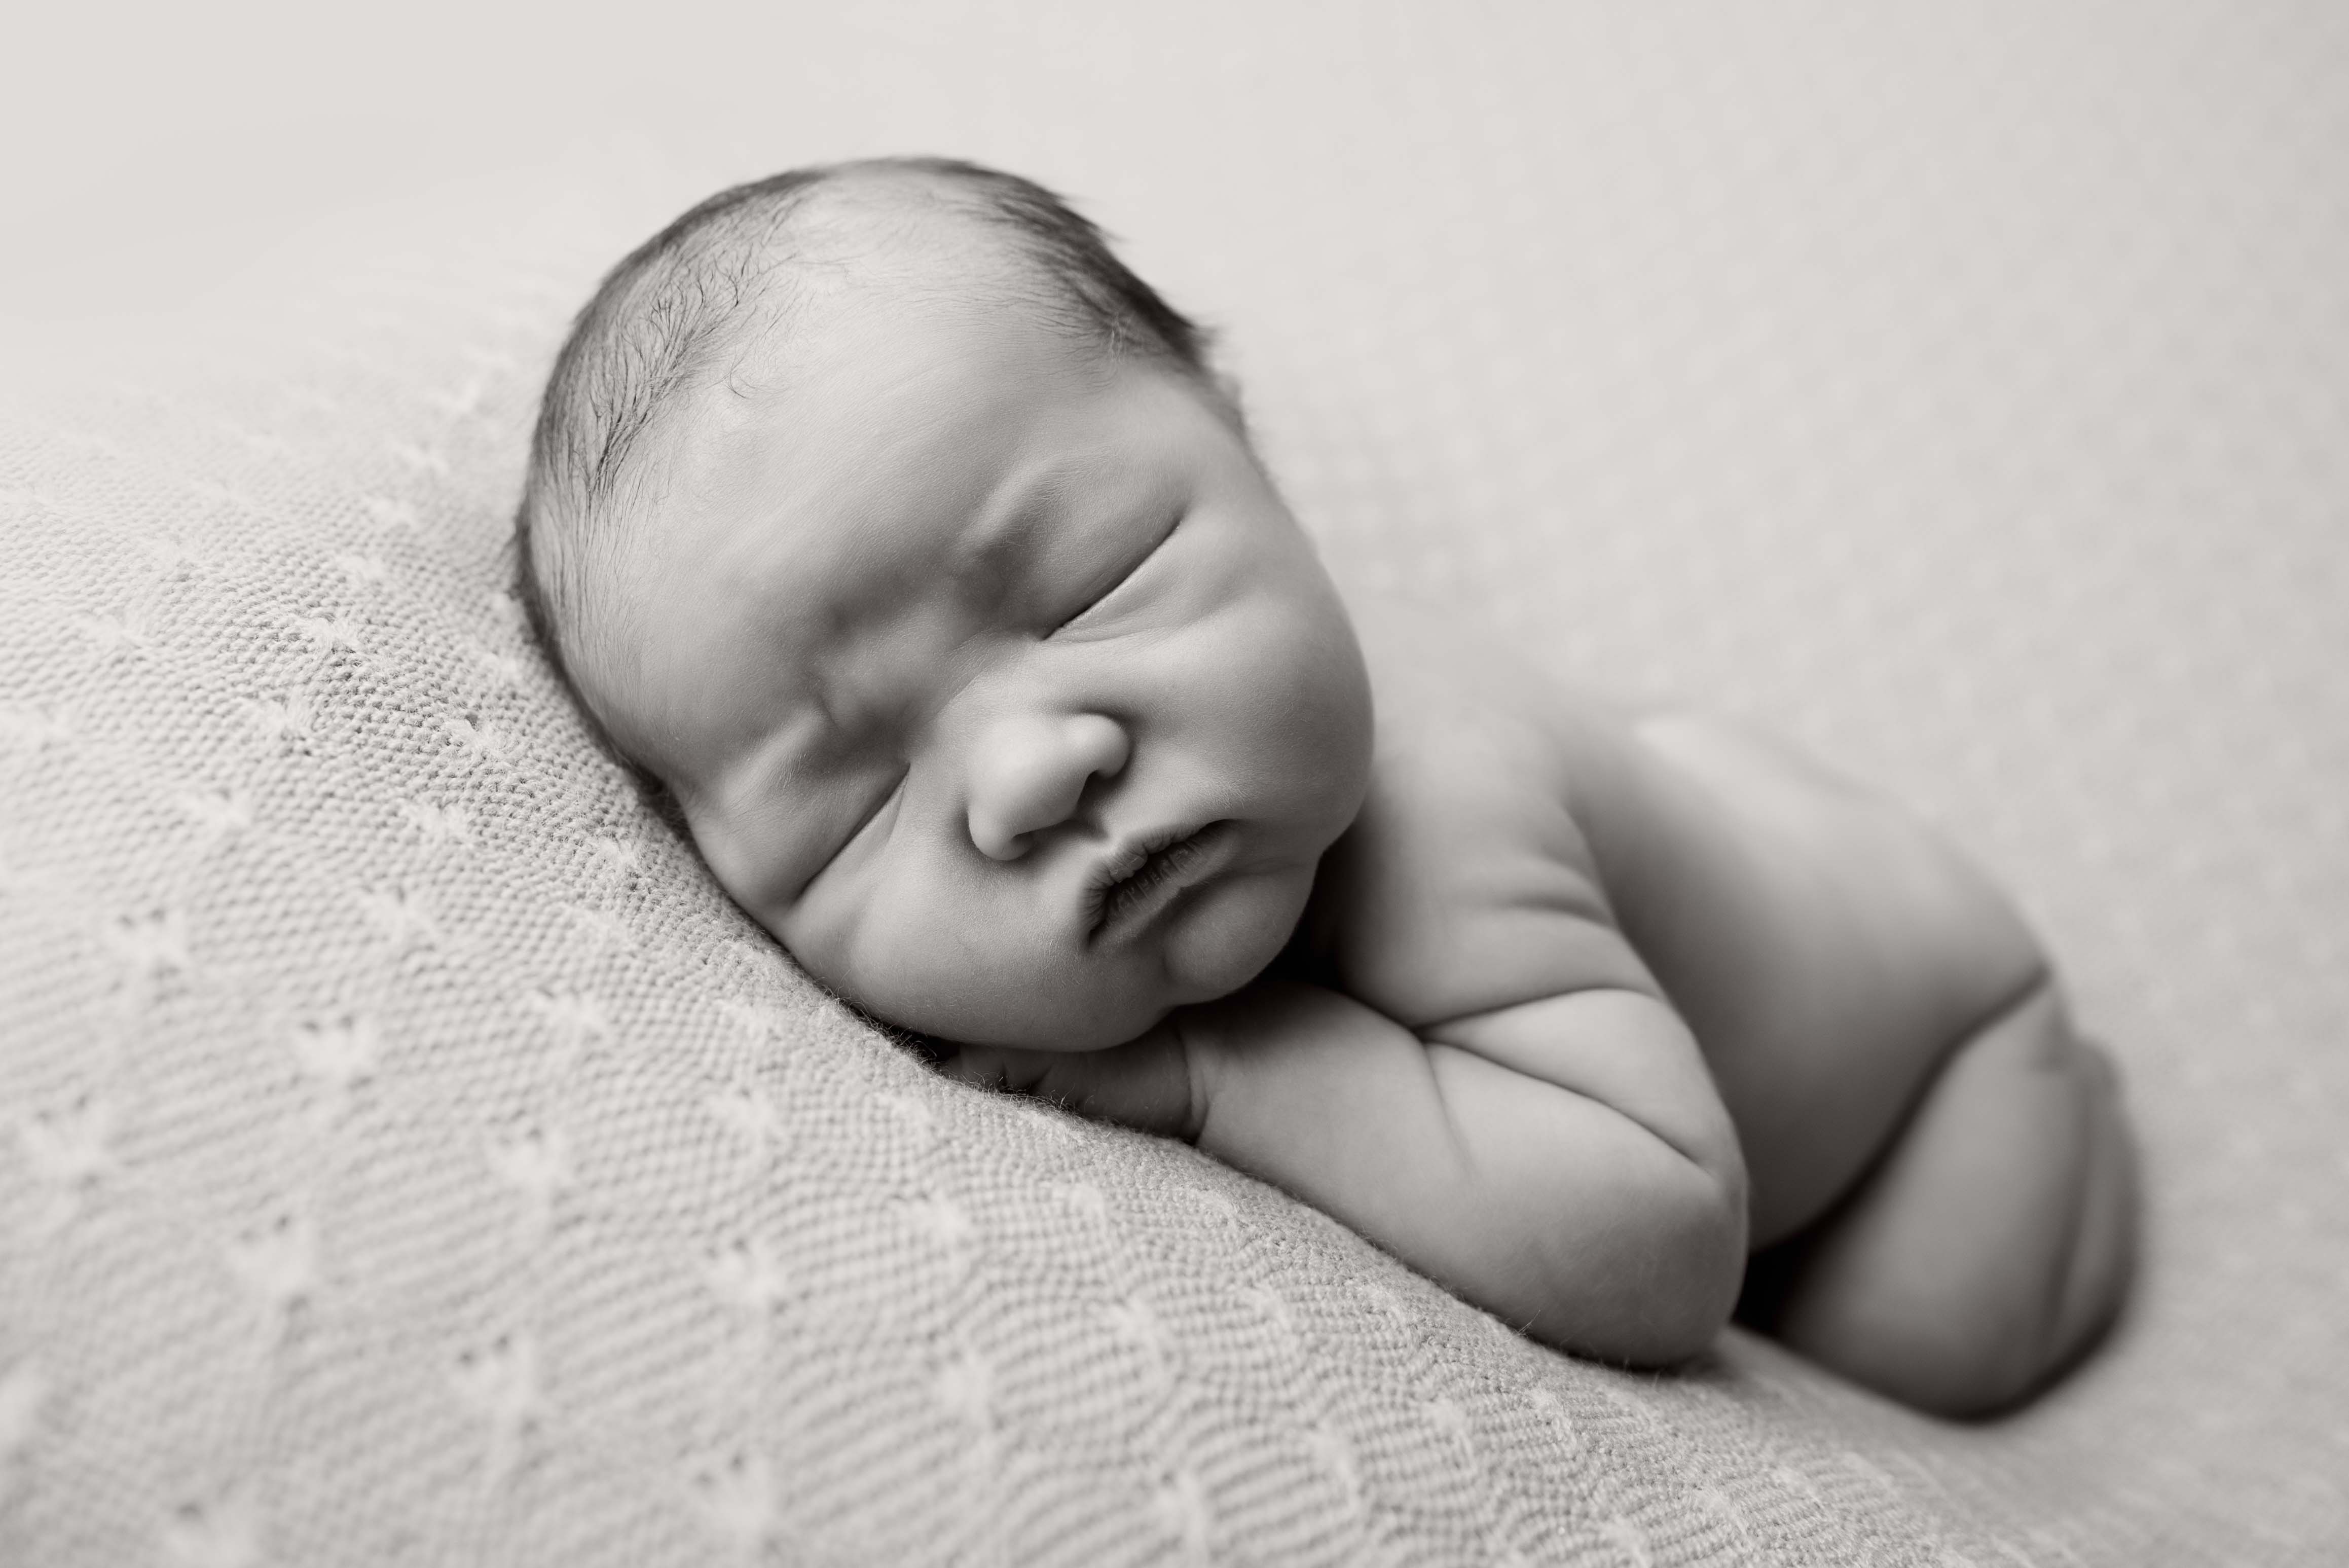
<point x="160" y="159"/>
<point x="167" y="164"/>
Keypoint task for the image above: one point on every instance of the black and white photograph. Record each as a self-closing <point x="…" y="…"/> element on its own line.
<point x="1080" y="785"/>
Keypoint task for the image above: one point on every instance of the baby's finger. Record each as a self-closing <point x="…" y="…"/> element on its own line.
<point x="1142" y="1083"/>
<point x="994" y="1067"/>
<point x="970" y="1065"/>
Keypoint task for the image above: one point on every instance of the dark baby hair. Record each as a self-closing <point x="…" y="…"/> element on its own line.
<point x="681" y="308"/>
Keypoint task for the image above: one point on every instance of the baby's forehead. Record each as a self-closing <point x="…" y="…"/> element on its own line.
<point x="885" y="436"/>
<point x="969" y="505"/>
<point x="902" y="407"/>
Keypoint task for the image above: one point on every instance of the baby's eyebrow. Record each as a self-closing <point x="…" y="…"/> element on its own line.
<point x="938" y="584"/>
<point x="967" y="560"/>
<point x="1004" y="536"/>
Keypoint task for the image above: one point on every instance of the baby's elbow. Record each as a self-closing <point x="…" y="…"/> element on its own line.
<point x="1677" y="1282"/>
<point x="1700" y="1267"/>
<point x="1704" y="1273"/>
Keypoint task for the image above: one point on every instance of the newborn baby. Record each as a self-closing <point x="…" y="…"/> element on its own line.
<point x="910" y="540"/>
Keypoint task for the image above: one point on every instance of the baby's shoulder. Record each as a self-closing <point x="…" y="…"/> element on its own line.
<point x="1469" y="882"/>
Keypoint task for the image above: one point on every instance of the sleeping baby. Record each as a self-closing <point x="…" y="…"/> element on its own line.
<point x="914" y="545"/>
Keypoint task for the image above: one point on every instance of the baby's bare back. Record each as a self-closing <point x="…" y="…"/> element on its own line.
<point x="1523" y="839"/>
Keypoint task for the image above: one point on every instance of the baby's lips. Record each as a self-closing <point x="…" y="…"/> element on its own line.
<point x="1182" y="862"/>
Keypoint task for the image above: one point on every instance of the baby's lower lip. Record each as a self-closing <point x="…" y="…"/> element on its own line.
<point x="1141" y="898"/>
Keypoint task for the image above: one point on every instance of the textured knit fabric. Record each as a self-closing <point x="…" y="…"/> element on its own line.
<point x="406" y="1155"/>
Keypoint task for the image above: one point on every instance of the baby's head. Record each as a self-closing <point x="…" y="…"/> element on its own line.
<point x="909" y="540"/>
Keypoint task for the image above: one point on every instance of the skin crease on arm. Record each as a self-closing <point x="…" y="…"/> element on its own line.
<point x="1564" y="1163"/>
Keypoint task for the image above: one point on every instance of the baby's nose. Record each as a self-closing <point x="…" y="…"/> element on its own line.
<point x="1029" y="771"/>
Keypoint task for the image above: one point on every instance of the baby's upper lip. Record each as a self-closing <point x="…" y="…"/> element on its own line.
<point x="1127" y="855"/>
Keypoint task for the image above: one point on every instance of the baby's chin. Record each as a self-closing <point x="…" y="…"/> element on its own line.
<point x="1227" y="934"/>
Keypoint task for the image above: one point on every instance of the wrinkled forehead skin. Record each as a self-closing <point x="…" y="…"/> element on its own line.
<point x="817" y="481"/>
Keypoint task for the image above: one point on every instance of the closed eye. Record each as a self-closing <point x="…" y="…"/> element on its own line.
<point x="1101" y="600"/>
<point x="881" y="804"/>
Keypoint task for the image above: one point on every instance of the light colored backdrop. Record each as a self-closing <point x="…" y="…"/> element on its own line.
<point x="1965" y="394"/>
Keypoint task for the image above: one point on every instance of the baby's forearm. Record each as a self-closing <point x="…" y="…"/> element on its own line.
<point x="1549" y="1207"/>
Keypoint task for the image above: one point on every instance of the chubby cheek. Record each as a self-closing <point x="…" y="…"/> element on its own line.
<point x="933" y="953"/>
<point x="1305" y="725"/>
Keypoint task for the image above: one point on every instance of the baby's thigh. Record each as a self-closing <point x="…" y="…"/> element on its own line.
<point x="1828" y="947"/>
<point x="1991" y="1245"/>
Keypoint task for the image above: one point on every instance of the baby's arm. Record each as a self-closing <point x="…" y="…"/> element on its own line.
<point x="1565" y="1163"/>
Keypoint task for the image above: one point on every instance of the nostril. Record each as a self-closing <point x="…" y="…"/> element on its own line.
<point x="993" y="838"/>
<point x="1102" y="746"/>
<point x="1028" y="775"/>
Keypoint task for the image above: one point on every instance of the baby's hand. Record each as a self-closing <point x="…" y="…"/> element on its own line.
<point x="1144" y="1084"/>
